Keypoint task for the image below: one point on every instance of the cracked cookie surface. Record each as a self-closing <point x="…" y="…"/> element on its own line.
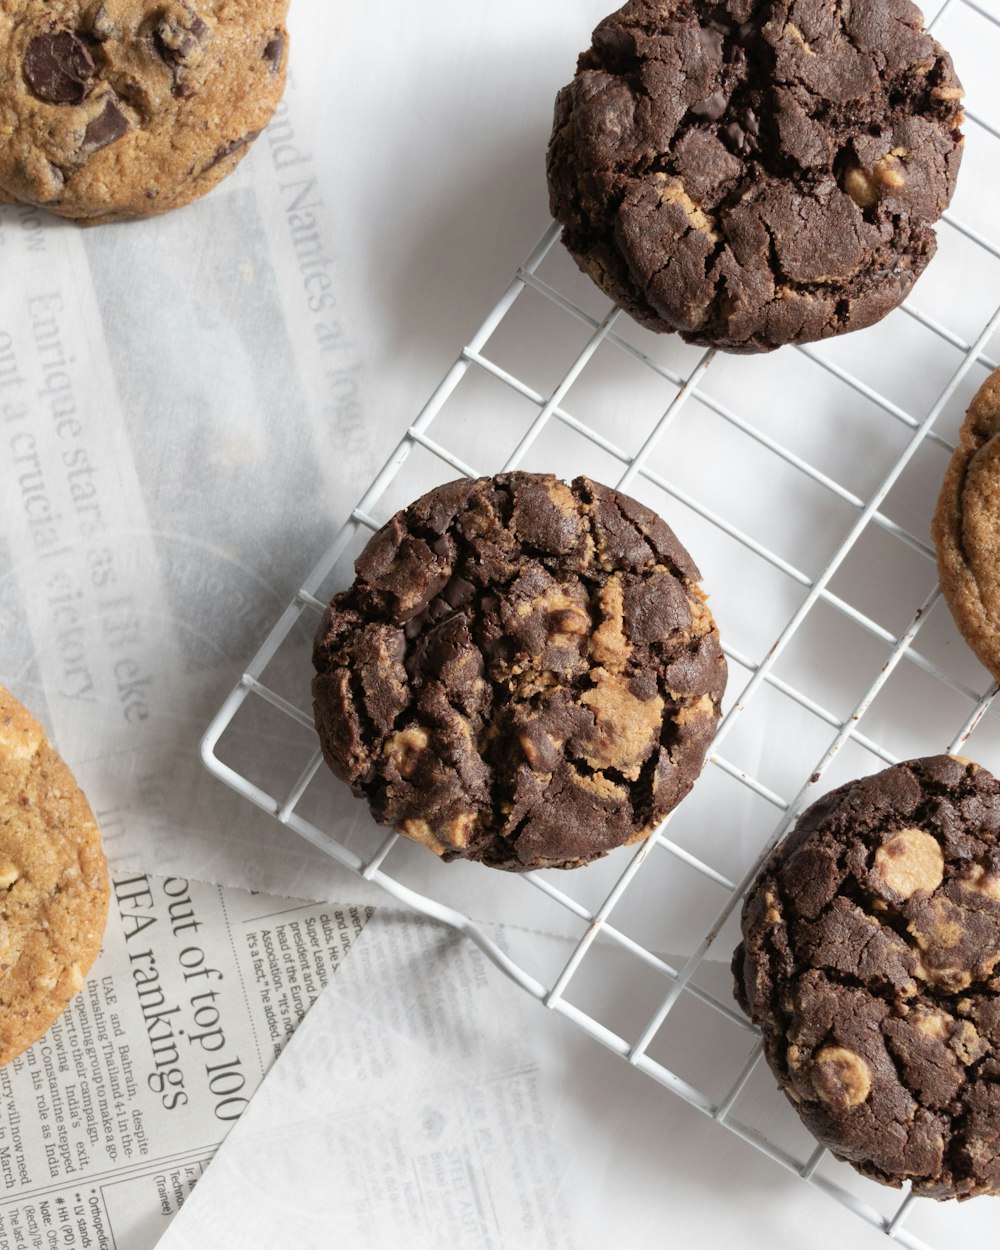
<point x="966" y="528"/>
<point x="871" y="940"/>
<point x="752" y="173"/>
<point x="524" y="672"/>
<point x="115" y="109"/>
<point x="53" y="882"/>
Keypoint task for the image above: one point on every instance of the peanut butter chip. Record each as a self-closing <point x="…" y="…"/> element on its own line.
<point x="982" y="882"/>
<point x="540" y="753"/>
<point x="672" y="192"/>
<point x="456" y="832"/>
<point x="966" y="1043"/>
<point x="625" y="727"/>
<point x="701" y="708"/>
<point x="860" y="187"/>
<point x="567" y="620"/>
<point x="911" y="861"/>
<point x="420" y="831"/>
<point x="889" y="172"/>
<point x="608" y="644"/>
<point x="405" y="749"/>
<point x="455" y="835"/>
<point x="932" y="1024"/>
<point x="842" y="1078"/>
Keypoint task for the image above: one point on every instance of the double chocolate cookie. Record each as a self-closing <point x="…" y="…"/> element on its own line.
<point x="871" y="944"/>
<point x="127" y="108"/>
<point x="53" y="882"/>
<point x="966" y="528"/>
<point x="524" y="672"/>
<point x="756" y="172"/>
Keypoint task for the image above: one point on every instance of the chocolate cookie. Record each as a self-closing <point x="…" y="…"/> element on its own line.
<point x="128" y="108"/>
<point x="871" y="941"/>
<point x="756" y="172"/>
<point x="53" y="882"/>
<point x="524" y="673"/>
<point x="966" y="528"/>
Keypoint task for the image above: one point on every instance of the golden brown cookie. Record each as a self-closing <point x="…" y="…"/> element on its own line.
<point x="113" y="109"/>
<point x="53" y="882"/>
<point x="966" y="528"/>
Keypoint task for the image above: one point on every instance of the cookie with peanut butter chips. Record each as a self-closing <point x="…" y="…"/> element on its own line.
<point x="871" y="962"/>
<point x="53" y="882"/>
<point x="524" y="672"/>
<point x="750" y="173"/>
<point x="112" y="109"/>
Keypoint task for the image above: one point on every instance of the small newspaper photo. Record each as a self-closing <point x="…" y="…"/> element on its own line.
<point x="108" y="1121"/>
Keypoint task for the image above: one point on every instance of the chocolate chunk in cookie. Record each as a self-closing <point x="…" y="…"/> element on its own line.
<point x="53" y="882"/>
<point x="181" y="38"/>
<point x="58" y="67"/>
<point x="107" y="127"/>
<point x="751" y="173"/>
<point x="871" y="962"/>
<point x="966" y="528"/>
<point x="274" y="51"/>
<point x="524" y="672"/>
<point x="231" y="148"/>
<point x="128" y="108"/>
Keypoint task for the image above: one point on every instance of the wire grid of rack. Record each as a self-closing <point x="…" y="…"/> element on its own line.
<point x="603" y="921"/>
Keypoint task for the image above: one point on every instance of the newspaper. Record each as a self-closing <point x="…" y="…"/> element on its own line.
<point x="171" y="394"/>
<point x="421" y="1116"/>
<point x="108" y="1121"/>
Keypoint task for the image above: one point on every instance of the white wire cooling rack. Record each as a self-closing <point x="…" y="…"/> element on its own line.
<point x="803" y="483"/>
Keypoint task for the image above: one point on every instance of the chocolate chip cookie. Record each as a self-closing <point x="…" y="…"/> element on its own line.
<point x="523" y="673"/>
<point x="751" y="173"/>
<point x="966" y="528"/>
<point x="53" y="882"/>
<point x="871" y="944"/>
<point x="127" y="108"/>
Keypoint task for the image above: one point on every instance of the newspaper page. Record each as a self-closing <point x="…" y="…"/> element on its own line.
<point x="108" y="1121"/>
<point x="423" y="1115"/>
<point x="172" y="392"/>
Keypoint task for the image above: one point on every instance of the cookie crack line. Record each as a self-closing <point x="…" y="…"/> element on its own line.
<point x="524" y="672"/>
<point x="752" y="122"/>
